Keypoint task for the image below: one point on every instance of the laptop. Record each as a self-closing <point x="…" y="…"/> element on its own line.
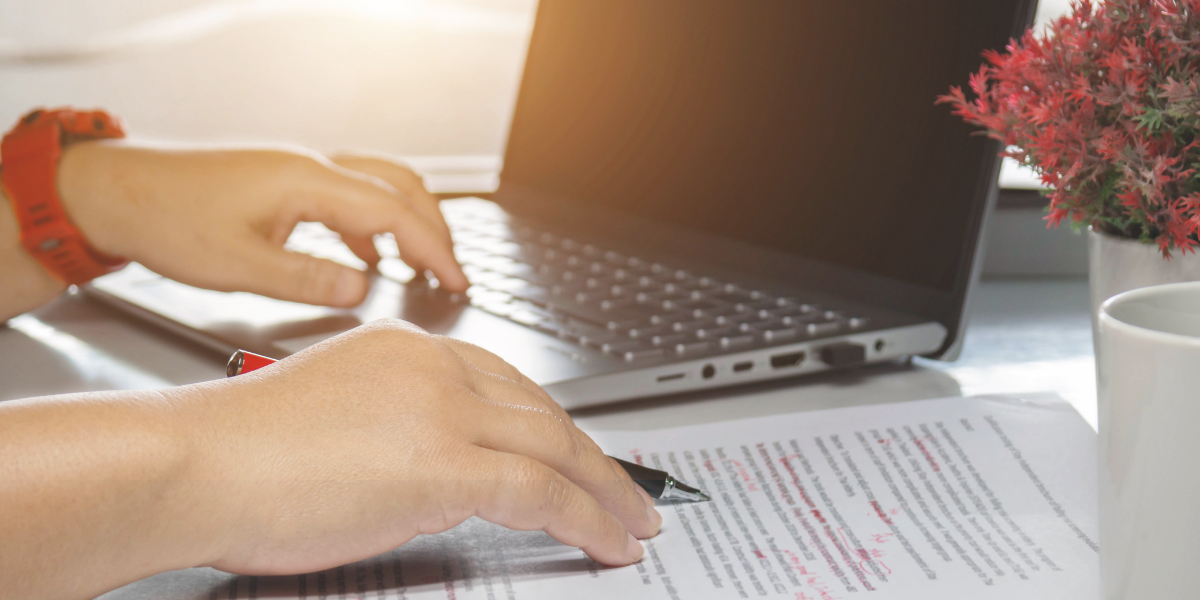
<point x="694" y="193"/>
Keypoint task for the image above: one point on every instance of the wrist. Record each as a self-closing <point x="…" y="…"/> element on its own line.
<point x="87" y="181"/>
<point x="220" y="475"/>
<point x="31" y="285"/>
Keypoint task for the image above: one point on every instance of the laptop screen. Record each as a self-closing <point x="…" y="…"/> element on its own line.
<point x="806" y="126"/>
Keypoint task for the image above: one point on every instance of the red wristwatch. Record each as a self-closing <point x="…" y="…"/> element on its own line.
<point x="28" y="165"/>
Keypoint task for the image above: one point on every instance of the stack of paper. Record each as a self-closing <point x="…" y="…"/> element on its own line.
<point x="989" y="497"/>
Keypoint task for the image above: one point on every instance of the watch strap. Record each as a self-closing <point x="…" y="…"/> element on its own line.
<point x="29" y="155"/>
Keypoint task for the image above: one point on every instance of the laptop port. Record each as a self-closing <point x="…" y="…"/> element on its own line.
<point x="671" y="377"/>
<point x="743" y="366"/>
<point x="708" y="371"/>
<point x="791" y="359"/>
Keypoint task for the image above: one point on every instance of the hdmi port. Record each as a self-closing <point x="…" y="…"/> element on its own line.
<point x="782" y="361"/>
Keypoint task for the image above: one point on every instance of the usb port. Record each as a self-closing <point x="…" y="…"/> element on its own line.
<point x="791" y="359"/>
<point x="662" y="378"/>
<point x="743" y="366"/>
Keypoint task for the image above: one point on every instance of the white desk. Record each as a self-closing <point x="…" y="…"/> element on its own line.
<point x="1025" y="335"/>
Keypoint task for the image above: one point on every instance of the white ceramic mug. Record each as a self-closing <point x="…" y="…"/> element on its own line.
<point x="1148" y="378"/>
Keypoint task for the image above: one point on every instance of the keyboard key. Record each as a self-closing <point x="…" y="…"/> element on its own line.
<point x="772" y="336"/>
<point x="530" y="317"/>
<point x="609" y="305"/>
<point x="733" y="319"/>
<point x="859" y="322"/>
<point x="667" y="318"/>
<point x="598" y="340"/>
<point x="533" y="295"/>
<point x="643" y="354"/>
<point x="669" y="341"/>
<point x="481" y="295"/>
<point x="736" y="341"/>
<point x="645" y="333"/>
<point x="714" y="333"/>
<point x="822" y="328"/>
<point x="619" y="348"/>
<point x="500" y="309"/>
<point x="691" y="348"/>
<point x="801" y="319"/>
<point x="594" y="315"/>
<point x="690" y="326"/>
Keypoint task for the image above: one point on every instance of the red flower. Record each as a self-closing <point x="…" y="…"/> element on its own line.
<point x="1105" y="107"/>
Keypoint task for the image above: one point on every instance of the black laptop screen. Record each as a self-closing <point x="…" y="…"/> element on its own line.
<point x="806" y="126"/>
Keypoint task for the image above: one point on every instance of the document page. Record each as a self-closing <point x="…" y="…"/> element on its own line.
<point x="980" y="498"/>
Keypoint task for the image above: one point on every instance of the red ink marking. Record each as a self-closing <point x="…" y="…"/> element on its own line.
<point x="928" y="457"/>
<point x="879" y="511"/>
<point x="787" y="465"/>
<point x="794" y="562"/>
<point x="759" y="554"/>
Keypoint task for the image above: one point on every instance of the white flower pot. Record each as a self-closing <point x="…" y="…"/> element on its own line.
<point x="1117" y="265"/>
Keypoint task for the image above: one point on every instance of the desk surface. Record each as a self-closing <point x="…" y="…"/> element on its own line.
<point x="1024" y="335"/>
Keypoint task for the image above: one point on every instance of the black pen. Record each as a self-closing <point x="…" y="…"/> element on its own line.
<point x="659" y="484"/>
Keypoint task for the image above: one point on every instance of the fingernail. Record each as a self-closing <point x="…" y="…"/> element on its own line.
<point x="651" y="511"/>
<point x="635" y="549"/>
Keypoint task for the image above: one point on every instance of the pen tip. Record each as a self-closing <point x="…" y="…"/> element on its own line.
<point x="689" y="493"/>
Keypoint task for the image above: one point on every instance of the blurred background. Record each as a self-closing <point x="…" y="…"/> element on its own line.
<point x="433" y="81"/>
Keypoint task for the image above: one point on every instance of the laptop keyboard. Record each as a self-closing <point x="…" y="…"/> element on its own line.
<point x="625" y="306"/>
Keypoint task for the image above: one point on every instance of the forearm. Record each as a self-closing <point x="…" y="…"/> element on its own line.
<point x="24" y="284"/>
<point x="99" y="490"/>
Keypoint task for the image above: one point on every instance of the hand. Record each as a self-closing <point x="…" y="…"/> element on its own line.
<point x="358" y="444"/>
<point x="218" y="218"/>
<point x="341" y="452"/>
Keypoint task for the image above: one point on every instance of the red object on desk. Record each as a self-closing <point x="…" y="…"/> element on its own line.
<point x="244" y="362"/>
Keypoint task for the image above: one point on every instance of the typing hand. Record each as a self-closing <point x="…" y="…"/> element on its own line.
<point x="218" y="218"/>
<point x="358" y="444"/>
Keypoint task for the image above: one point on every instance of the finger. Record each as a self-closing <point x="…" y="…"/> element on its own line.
<point x="523" y="494"/>
<point x="514" y="427"/>
<point x="403" y="179"/>
<point x="271" y="271"/>
<point x="357" y="205"/>
<point x="363" y="247"/>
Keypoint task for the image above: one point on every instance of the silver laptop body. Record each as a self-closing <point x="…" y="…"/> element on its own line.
<point x="694" y="194"/>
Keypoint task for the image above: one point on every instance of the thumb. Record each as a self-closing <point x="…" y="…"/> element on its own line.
<point x="285" y="275"/>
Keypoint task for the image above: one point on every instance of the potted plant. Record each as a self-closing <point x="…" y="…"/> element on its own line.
<point x="1105" y="106"/>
